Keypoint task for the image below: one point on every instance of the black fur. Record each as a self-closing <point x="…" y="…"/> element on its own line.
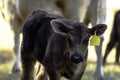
<point x="53" y="40"/>
<point x="114" y="39"/>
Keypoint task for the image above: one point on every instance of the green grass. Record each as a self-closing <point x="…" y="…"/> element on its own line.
<point x="6" y="62"/>
<point x="111" y="70"/>
<point x="5" y="73"/>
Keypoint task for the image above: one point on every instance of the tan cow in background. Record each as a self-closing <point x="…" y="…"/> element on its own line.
<point x="16" y="11"/>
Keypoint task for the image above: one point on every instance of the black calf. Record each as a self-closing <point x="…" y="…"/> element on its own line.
<point x="60" y="44"/>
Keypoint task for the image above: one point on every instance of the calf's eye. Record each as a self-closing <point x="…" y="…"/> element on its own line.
<point x="86" y="41"/>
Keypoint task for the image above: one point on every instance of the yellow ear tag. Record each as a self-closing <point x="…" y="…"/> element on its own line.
<point x="95" y="40"/>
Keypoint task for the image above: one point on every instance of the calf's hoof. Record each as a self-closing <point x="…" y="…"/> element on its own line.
<point x="98" y="76"/>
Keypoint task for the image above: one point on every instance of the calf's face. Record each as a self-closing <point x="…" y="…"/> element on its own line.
<point x="77" y="35"/>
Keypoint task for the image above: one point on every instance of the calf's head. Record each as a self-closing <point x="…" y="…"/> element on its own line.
<point x="77" y="35"/>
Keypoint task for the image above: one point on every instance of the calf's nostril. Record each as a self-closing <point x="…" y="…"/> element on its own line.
<point x="76" y="58"/>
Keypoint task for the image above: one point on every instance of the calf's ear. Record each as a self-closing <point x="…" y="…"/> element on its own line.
<point x="100" y="29"/>
<point x="60" y="27"/>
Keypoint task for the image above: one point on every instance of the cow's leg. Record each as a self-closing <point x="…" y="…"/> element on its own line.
<point x="27" y="59"/>
<point x="16" y="66"/>
<point x="99" y="68"/>
<point x="95" y="15"/>
<point x="100" y="16"/>
<point x="99" y="73"/>
<point x="110" y="45"/>
<point x="28" y="63"/>
<point x="117" y="53"/>
<point x="108" y="49"/>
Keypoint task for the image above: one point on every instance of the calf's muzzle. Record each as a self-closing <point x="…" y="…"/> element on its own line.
<point x="76" y="58"/>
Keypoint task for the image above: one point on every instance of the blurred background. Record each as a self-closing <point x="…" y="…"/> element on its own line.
<point x="112" y="71"/>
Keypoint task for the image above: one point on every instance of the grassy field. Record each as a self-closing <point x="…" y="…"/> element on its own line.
<point x="112" y="71"/>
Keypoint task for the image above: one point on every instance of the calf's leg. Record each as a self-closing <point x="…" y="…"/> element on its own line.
<point x="27" y="58"/>
<point x="108" y="49"/>
<point x="117" y="53"/>
<point x="28" y="67"/>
